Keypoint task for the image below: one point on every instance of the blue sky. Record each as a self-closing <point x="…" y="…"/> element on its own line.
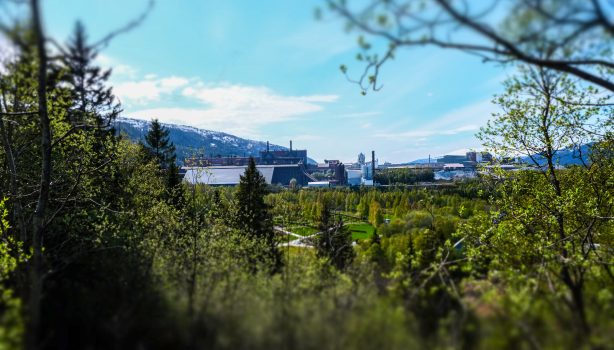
<point x="268" y="70"/>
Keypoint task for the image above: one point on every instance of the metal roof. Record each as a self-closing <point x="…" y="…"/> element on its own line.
<point x="227" y="175"/>
<point x="223" y="175"/>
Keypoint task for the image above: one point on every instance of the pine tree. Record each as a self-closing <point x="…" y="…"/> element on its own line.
<point x="159" y="145"/>
<point x="335" y="240"/>
<point x="253" y="217"/>
<point x="173" y="185"/>
<point x="162" y="150"/>
<point x="94" y="105"/>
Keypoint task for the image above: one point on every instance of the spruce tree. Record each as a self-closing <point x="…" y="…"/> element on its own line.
<point x="335" y="240"/>
<point x="252" y="215"/>
<point x="94" y="105"/>
<point x="159" y="145"/>
<point x="162" y="150"/>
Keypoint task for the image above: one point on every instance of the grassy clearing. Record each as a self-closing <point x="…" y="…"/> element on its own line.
<point x="361" y="230"/>
<point x="302" y="230"/>
<point x="286" y="238"/>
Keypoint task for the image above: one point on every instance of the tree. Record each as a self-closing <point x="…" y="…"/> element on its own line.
<point x="363" y="207"/>
<point x="548" y="221"/>
<point x="45" y="147"/>
<point x="335" y="241"/>
<point x="173" y="184"/>
<point x="162" y="150"/>
<point x="252" y="215"/>
<point x="40" y="213"/>
<point x="293" y="185"/>
<point x="376" y="217"/>
<point x="94" y="105"/>
<point x="576" y="35"/>
<point x="11" y="254"/>
<point x="158" y="144"/>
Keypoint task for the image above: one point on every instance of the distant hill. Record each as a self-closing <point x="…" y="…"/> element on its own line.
<point x="564" y="157"/>
<point x="421" y="161"/>
<point x="190" y="141"/>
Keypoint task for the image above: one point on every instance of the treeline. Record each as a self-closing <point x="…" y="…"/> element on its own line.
<point x="364" y="203"/>
<point x="102" y="246"/>
<point x="405" y="176"/>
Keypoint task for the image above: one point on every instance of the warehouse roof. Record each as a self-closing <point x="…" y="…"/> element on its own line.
<point x="228" y="175"/>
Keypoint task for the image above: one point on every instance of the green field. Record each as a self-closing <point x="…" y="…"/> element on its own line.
<point x="302" y="230"/>
<point x="361" y="230"/>
<point x="285" y="238"/>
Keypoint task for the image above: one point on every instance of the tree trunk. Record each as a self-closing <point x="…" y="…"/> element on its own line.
<point x="575" y="286"/>
<point x="38" y="220"/>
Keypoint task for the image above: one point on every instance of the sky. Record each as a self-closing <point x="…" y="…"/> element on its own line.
<point x="268" y="70"/>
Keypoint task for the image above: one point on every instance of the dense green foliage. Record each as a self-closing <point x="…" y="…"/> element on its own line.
<point x="516" y="260"/>
<point x="334" y="242"/>
<point x="162" y="151"/>
<point x="405" y="176"/>
<point x="159" y="146"/>
<point x="252" y="214"/>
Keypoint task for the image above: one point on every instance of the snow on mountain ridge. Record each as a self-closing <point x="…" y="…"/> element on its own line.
<point x="216" y="135"/>
<point x="190" y="141"/>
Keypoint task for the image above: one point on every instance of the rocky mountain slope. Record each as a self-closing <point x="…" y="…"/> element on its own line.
<point x="190" y="141"/>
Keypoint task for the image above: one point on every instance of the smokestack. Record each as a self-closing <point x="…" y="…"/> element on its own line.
<point x="267" y="147"/>
<point x="373" y="166"/>
<point x="290" y="145"/>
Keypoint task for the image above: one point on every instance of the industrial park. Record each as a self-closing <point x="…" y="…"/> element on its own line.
<point x="292" y="168"/>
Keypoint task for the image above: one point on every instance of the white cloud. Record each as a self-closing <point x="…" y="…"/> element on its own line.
<point x="358" y="115"/>
<point x="463" y="151"/>
<point x="120" y="70"/>
<point x="173" y="83"/>
<point x="235" y="108"/>
<point x="139" y="92"/>
<point x="423" y="134"/>
<point x="151" y="89"/>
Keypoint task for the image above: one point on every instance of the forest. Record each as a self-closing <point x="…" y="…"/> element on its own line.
<point x="103" y="246"/>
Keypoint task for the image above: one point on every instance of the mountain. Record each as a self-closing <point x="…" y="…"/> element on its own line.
<point x="564" y="157"/>
<point x="190" y="141"/>
<point x="421" y="161"/>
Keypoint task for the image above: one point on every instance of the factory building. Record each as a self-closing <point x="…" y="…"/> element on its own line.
<point x="361" y="158"/>
<point x="478" y="157"/>
<point x="332" y="170"/>
<point x="451" y="158"/>
<point x="266" y="157"/>
<point x="231" y="175"/>
<point x="290" y="156"/>
<point x="319" y="184"/>
<point x="354" y="177"/>
<point x="453" y="166"/>
<point x="216" y="161"/>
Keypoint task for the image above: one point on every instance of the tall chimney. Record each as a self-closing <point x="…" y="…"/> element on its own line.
<point x="267" y="147"/>
<point x="373" y="166"/>
<point x="290" y="145"/>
